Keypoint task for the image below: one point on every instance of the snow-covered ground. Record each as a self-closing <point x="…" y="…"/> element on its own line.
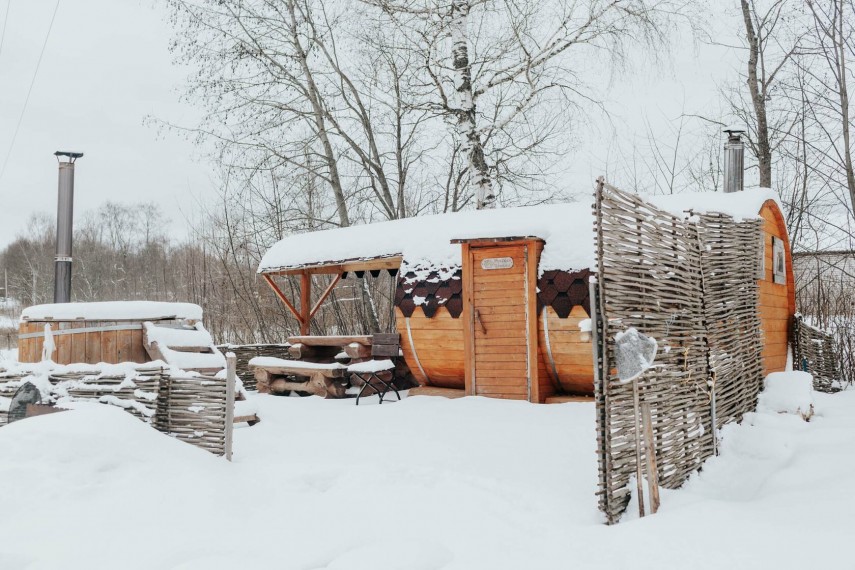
<point x="423" y="484"/>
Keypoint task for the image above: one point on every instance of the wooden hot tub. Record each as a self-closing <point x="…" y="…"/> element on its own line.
<point x="109" y="332"/>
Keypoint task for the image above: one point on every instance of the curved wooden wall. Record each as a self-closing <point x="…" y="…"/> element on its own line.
<point x="777" y="301"/>
<point x="439" y="346"/>
<point x="573" y="357"/>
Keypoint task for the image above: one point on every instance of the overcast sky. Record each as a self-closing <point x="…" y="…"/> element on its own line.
<point x="106" y="67"/>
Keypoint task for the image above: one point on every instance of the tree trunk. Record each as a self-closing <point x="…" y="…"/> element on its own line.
<point x="758" y="99"/>
<point x="318" y="113"/>
<point x="479" y="177"/>
<point x="843" y="92"/>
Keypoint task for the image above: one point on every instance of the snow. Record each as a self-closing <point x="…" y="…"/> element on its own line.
<point x="428" y="483"/>
<point x="113" y="311"/>
<point x="425" y="241"/>
<point x="272" y="362"/>
<point x="168" y="338"/>
<point x="371" y="366"/>
<point x="49" y="346"/>
<point x="787" y="392"/>
<point x="179" y="337"/>
<point x="743" y="205"/>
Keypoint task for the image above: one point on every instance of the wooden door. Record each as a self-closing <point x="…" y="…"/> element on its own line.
<point x="500" y="321"/>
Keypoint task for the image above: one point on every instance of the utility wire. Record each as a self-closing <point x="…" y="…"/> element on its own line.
<point x="5" y="21"/>
<point x="29" y="91"/>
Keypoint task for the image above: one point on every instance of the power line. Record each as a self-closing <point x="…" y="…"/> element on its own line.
<point x="30" y="90"/>
<point x="5" y="21"/>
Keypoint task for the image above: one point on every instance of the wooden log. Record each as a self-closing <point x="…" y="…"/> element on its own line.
<point x="650" y="455"/>
<point x="262" y="380"/>
<point x="316" y="385"/>
<point x="357" y="351"/>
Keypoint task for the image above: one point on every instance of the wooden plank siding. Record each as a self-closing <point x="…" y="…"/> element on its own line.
<point x="777" y="300"/>
<point x="500" y="320"/>
<point x="92" y="346"/>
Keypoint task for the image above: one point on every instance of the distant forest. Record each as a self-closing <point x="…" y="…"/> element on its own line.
<point x="122" y="252"/>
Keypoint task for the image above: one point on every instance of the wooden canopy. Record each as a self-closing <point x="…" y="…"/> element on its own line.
<point x="307" y="310"/>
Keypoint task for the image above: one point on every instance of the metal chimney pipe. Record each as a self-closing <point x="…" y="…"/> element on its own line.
<point x="734" y="161"/>
<point x="64" y="226"/>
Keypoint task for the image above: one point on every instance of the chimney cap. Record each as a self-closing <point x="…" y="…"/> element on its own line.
<point x="734" y="131"/>
<point x="72" y="155"/>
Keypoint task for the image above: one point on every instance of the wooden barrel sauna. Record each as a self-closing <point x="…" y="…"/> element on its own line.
<point x="777" y="289"/>
<point x="429" y="318"/>
<point x="433" y="349"/>
<point x="90" y="340"/>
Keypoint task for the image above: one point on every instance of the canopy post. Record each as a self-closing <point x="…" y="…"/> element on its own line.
<point x="305" y="302"/>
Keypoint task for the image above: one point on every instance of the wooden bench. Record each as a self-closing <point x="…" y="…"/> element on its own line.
<point x="271" y="375"/>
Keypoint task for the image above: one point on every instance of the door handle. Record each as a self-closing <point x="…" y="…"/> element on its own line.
<point x="480" y="322"/>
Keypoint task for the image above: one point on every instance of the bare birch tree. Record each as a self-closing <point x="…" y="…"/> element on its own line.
<point x="493" y="66"/>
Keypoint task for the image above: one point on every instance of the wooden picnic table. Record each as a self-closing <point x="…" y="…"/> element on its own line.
<point x="330" y="340"/>
<point x="320" y="347"/>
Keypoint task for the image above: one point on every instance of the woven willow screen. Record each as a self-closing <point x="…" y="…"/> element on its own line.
<point x="691" y="284"/>
<point x="814" y="352"/>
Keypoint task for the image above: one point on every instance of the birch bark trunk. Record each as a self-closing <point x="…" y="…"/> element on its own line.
<point x="758" y="100"/>
<point x="472" y="147"/>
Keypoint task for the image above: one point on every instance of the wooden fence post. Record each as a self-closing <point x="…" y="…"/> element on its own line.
<point x="231" y="366"/>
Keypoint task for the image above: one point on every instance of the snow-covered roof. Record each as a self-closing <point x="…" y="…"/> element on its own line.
<point x="113" y="311"/>
<point x="740" y="205"/>
<point x="426" y="240"/>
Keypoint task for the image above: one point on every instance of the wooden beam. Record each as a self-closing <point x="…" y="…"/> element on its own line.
<point x="305" y="302"/>
<point x="282" y="296"/>
<point x="468" y="316"/>
<point x="324" y="295"/>
<point x="532" y="348"/>
<point x="508" y="240"/>
<point x="390" y="262"/>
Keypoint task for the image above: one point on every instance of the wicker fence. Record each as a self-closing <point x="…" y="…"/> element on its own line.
<point x="691" y="286"/>
<point x="194" y="409"/>
<point x="814" y="352"/>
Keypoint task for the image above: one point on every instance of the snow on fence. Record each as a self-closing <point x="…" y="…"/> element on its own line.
<point x="190" y="407"/>
<point x="135" y="392"/>
<point x="691" y="286"/>
<point x="814" y="352"/>
<point x="246" y="352"/>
